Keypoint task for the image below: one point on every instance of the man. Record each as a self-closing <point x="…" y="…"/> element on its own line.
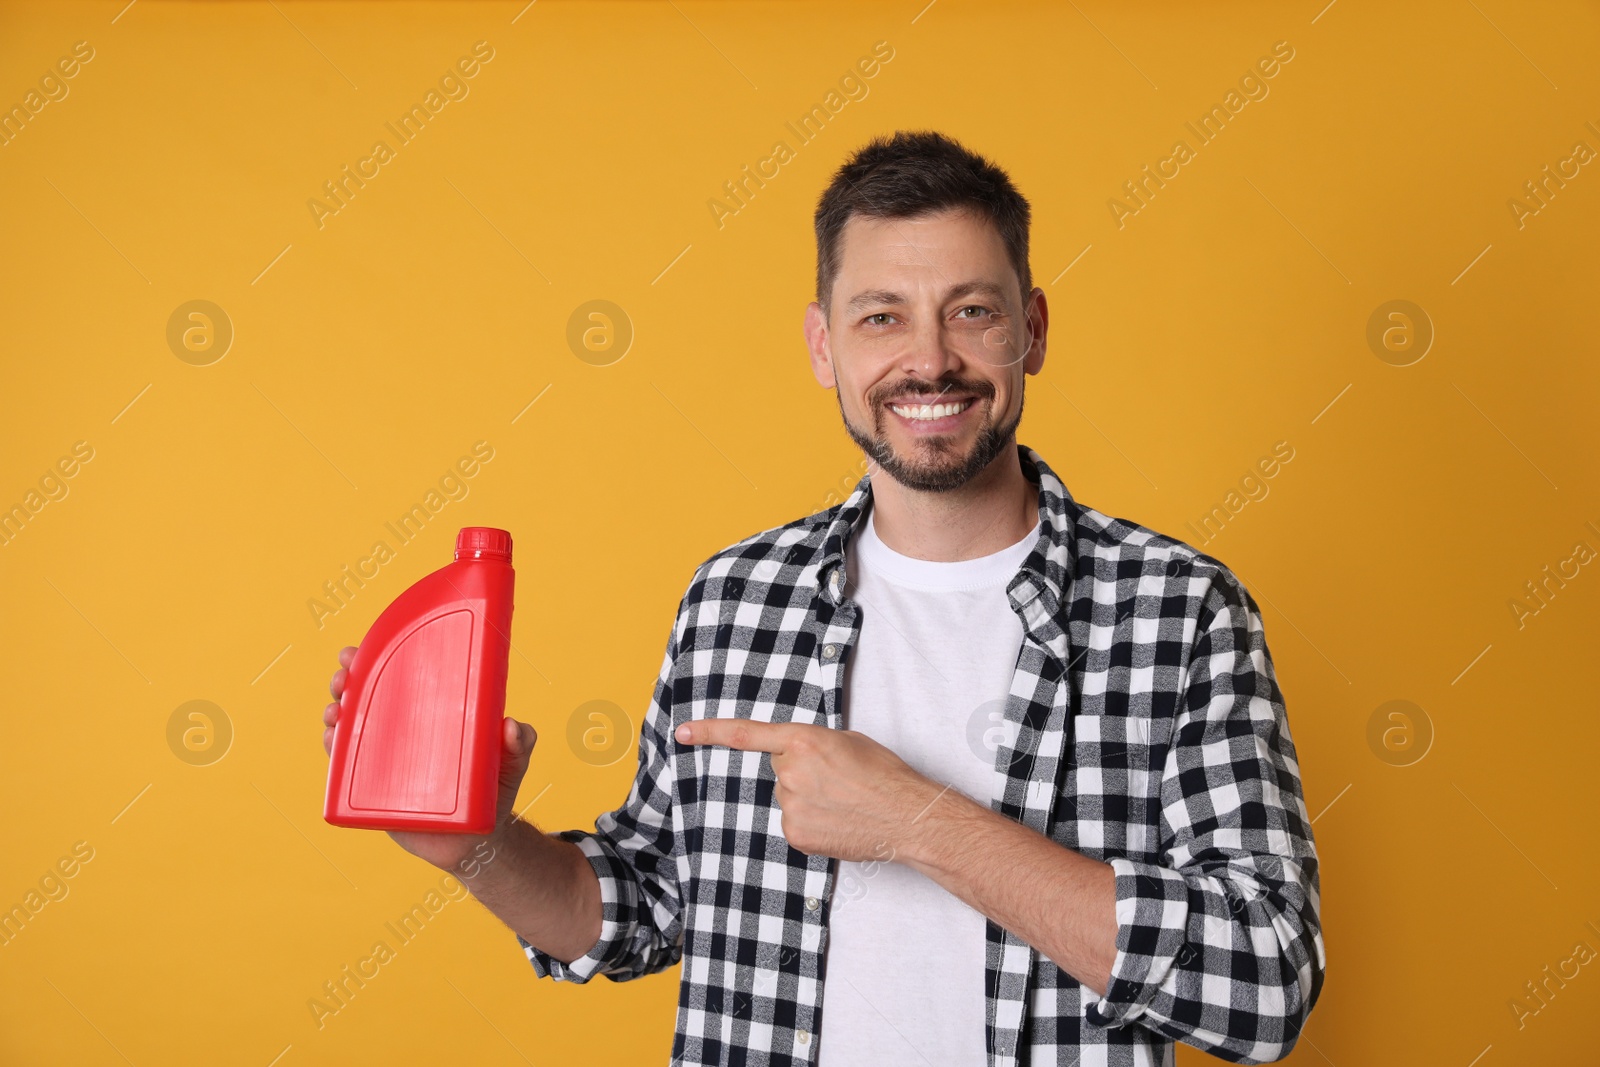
<point x="959" y="771"/>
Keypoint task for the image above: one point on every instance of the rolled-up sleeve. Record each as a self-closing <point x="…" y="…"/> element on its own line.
<point x="1220" y="944"/>
<point x="631" y="851"/>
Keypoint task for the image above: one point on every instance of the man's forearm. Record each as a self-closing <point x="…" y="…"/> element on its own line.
<point x="1059" y="901"/>
<point x="542" y="887"/>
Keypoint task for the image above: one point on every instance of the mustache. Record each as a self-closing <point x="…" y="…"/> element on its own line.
<point x="916" y="387"/>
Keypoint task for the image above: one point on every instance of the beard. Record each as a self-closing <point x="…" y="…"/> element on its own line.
<point x="939" y="466"/>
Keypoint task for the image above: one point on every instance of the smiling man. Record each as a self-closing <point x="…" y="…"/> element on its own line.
<point x="959" y="771"/>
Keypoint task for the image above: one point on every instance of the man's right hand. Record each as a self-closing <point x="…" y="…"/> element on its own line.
<point x="460" y="854"/>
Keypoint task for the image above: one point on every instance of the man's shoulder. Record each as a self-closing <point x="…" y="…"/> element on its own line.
<point x="779" y="556"/>
<point x="1110" y="548"/>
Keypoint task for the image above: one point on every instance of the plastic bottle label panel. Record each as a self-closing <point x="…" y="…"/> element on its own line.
<point x="408" y="756"/>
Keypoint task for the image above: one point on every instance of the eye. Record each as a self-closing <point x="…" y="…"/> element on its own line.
<point x="877" y="315"/>
<point x="975" y="307"/>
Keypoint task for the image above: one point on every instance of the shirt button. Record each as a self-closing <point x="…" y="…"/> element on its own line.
<point x="812" y="903"/>
<point x="804" y="1037"/>
<point x="829" y="651"/>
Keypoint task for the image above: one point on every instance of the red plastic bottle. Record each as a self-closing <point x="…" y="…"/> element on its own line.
<point x="417" y="744"/>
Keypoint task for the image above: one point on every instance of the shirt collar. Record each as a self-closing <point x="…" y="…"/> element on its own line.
<point x="1046" y="572"/>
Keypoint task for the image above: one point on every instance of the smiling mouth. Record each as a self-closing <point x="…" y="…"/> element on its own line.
<point x="931" y="412"/>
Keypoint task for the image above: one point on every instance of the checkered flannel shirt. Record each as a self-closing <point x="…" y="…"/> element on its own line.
<point x="1145" y="729"/>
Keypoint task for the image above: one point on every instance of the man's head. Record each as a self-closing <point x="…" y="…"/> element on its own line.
<point x="926" y="319"/>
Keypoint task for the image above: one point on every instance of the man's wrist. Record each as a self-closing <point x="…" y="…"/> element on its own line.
<point x="943" y="818"/>
<point x="474" y="868"/>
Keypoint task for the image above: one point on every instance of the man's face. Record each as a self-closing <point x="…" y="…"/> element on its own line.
<point x="927" y="345"/>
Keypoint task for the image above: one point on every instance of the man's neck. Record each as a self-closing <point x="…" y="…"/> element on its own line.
<point x="992" y="512"/>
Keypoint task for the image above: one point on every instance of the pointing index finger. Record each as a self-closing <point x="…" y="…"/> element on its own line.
<point x="750" y="735"/>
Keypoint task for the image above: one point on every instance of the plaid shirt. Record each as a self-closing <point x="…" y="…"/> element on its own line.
<point x="1145" y="729"/>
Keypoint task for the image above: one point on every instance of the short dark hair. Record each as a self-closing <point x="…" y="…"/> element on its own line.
<point x="911" y="174"/>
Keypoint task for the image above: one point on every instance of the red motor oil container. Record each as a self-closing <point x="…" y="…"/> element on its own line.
<point x="417" y="744"/>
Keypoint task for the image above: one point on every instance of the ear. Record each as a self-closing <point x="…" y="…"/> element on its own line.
<point x="816" y="331"/>
<point x="1038" y="313"/>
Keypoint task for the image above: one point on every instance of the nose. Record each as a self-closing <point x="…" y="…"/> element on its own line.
<point x="932" y="352"/>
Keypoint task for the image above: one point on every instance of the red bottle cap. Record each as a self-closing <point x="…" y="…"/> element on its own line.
<point x="483" y="542"/>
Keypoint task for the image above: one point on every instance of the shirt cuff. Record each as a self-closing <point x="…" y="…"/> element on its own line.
<point x="1152" y="926"/>
<point x="585" y="967"/>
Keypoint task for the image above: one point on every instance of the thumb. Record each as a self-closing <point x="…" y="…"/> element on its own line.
<point x="518" y="739"/>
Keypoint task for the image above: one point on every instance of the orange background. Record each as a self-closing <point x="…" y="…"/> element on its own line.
<point x="1228" y="314"/>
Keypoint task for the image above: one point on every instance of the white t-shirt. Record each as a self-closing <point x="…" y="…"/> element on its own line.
<point x="928" y="679"/>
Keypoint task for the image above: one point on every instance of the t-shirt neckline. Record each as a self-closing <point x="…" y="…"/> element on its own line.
<point x="940" y="576"/>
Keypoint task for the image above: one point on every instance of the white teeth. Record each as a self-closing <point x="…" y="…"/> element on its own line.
<point x="928" y="412"/>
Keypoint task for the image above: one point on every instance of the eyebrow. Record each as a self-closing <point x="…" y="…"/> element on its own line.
<point x="871" y="297"/>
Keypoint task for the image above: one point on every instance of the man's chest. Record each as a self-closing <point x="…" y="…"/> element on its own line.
<point x="929" y="677"/>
